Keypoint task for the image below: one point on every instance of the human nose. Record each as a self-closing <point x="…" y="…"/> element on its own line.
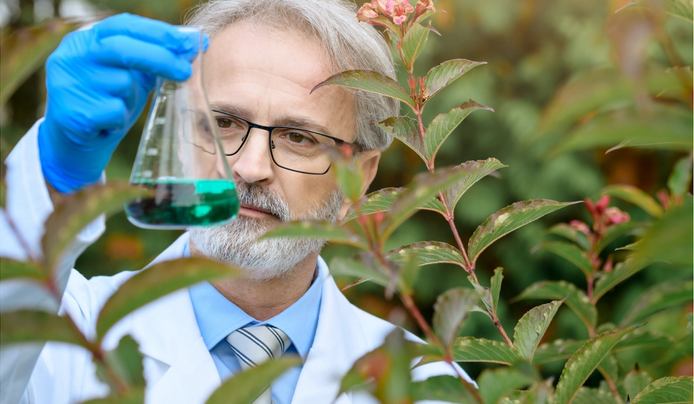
<point x="252" y="164"/>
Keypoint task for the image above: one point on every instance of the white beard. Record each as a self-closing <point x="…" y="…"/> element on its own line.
<point x="236" y="243"/>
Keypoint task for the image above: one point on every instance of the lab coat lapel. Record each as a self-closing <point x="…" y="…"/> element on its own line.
<point x="338" y="343"/>
<point x="178" y="366"/>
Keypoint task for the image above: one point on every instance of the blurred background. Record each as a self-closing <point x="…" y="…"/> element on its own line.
<point x="542" y="56"/>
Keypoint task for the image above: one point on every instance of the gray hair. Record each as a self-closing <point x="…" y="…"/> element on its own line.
<point x="348" y="43"/>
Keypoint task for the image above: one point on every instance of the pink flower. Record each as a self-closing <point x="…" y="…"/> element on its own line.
<point x="381" y="6"/>
<point x="616" y="216"/>
<point x="580" y="226"/>
<point x="422" y="6"/>
<point x="399" y="10"/>
<point x="366" y="13"/>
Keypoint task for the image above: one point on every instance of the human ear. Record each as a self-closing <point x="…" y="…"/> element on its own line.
<point x="368" y="161"/>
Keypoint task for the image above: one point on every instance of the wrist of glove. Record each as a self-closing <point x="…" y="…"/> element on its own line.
<point x="98" y="83"/>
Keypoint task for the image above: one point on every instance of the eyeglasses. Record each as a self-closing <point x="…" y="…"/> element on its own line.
<point x="295" y="149"/>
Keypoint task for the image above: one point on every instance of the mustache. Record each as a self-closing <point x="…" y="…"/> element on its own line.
<point x="262" y="198"/>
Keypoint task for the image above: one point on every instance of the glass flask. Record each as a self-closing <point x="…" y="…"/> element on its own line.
<point x="181" y="160"/>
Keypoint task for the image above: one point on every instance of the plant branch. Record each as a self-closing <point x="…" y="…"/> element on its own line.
<point x="412" y="308"/>
<point x="470" y="388"/>
<point x="497" y="324"/>
<point x="611" y="385"/>
<point x="20" y="239"/>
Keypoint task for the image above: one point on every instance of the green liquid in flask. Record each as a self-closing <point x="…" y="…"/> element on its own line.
<point x="179" y="203"/>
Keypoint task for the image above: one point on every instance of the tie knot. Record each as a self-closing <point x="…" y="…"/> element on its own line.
<point x="258" y="344"/>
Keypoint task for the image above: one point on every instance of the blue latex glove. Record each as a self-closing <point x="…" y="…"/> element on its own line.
<point x="98" y="82"/>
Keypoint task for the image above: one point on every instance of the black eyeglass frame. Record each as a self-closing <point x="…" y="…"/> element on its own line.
<point x="356" y="148"/>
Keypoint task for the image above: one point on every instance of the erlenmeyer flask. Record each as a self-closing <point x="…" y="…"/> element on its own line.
<point x="182" y="160"/>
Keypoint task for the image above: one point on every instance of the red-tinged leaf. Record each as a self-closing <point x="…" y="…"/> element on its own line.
<point x="382" y="200"/>
<point x="476" y="171"/>
<point x="583" y="362"/>
<point x="444" y="124"/>
<point x="78" y="210"/>
<point x="25" y="50"/>
<point x="469" y="349"/>
<point x="248" y="385"/>
<point x="10" y="269"/>
<point x="447" y="72"/>
<point x="450" y="311"/>
<point x="428" y="252"/>
<point x="509" y="219"/>
<point x="532" y="327"/>
<point x="369" y="81"/>
<point x="420" y="191"/>
<point x="668" y="390"/>
<point x="37" y="326"/>
<point x="318" y="230"/>
<point x="406" y="130"/>
<point x="157" y="281"/>
<point x="413" y="43"/>
<point x="576" y="299"/>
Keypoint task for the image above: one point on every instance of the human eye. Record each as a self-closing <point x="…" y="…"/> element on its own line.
<point x="299" y="138"/>
<point x="227" y="123"/>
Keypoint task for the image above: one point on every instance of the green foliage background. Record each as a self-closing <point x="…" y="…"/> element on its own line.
<point x="532" y="48"/>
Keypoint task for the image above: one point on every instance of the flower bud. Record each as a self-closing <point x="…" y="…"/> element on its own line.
<point x="616" y="216"/>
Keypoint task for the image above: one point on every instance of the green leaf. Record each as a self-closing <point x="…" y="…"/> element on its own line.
<point x="429" y="252"/>
<point x="556" y="350"/>
<point x="10" y="269"/>
<point x="248" y="385"/>
<point x="469" y="349"/>
<point x="477" y="170"/>
<point x="500" y="382"/>
<point x="37" y="326"/>
<point x="357" y="268"/>
<point x="495" y="286"/>
<point x="406" y="130"/>
<point x="644" y="339"/>
<point x="571" y="233"/>
<point x="609" y="368"/>
<point x="157" y="281"/>
<point x="583" y="362"/>
<point x="577" y="300"/>
<point x="447" y="72"/>
<point x="509" y="219"/>
<point x="621" y="272"/>
<point x="532" y="327"/>
<point x="78" y="210"/>
<point x="444" y="124"/>
<point x="586" y="395"/>
<point x="636" y="196"/>
<point x="613" y="232"/>
<point x="571" y="253"/>
<point x="126" y="362"/>
<point x="450" y="311"/>
<point x="379" y="201"/>
<point x="670" y="239"/>
<point x="538" y="393"/>
<point x="370" y="81"/>
<point x="420" y="191"/>
<point x="448" y="389"/>
<point x="681" y="177"/>
<point x="413" y="43"/>
<point x="25" y="50"/>
<point x="668" y="390"/>
<point x="676" y="8"/>
<point x="664" y="127"/>
<point x="659" y="297"/>
<point x="319" y="230"/>
<point x="636" y="381"/>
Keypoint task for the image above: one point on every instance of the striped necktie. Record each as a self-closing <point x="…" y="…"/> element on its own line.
<point x="256" y="345"/>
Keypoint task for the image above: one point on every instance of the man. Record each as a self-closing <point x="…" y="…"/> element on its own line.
<point x="264" y="58"/>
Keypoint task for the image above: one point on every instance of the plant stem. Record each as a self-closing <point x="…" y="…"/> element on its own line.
<point x="412" y="308"/>
<point x="498" y="326"/>
<point x="20" y="239"/>
<point x="473" y="391"/>
<point x="612" y="386"/>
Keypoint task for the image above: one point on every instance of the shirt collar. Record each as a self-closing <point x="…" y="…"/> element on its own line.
<point x="217" y="317"/>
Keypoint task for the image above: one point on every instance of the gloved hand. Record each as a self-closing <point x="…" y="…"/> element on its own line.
<point x="98" y="82"/>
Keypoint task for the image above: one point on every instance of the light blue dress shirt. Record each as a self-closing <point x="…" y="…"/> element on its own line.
<point x="217" y="317"/>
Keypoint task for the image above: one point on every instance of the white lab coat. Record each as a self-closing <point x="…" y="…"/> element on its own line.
<point x="178" y="367"/>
